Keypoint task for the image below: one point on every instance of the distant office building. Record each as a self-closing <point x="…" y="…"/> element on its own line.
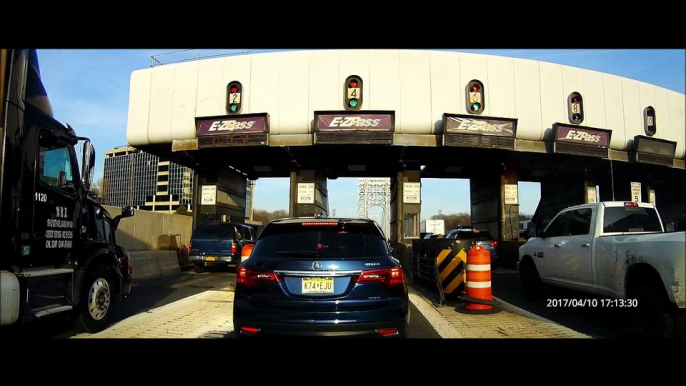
<point x="142" y="180"/>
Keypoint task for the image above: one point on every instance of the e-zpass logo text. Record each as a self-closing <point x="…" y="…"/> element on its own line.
<point x="353" y="121"/>
<point x="577" y="135"/>
<point x="230" y="125"/>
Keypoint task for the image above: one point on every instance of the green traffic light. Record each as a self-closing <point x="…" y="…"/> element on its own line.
<point x="353" y="103"/>
<point x="476" y="106"/>
<point x="234" y="108"/>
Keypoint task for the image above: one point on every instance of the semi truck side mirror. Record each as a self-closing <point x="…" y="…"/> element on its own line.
<point x="87" y="165"/>
<point x="126" y="211"/>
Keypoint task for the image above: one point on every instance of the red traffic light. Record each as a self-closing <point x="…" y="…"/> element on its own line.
<point x="474" y="96"/>
<point x="352" y="93"/>
<point x="575" y="108"/>
<point x="233" y="99"/>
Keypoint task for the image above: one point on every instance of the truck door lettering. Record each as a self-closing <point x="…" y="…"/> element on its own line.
<point x="61" y="211"/>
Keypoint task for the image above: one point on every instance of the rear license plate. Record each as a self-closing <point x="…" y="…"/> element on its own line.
<point x="210" y="258"/>
<point x="317" y="285"/>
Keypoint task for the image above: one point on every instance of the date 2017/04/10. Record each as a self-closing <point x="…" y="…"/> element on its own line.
<point x="606" y="303"/>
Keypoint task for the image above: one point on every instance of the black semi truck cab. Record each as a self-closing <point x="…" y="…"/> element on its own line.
<point x="59" y="250"/>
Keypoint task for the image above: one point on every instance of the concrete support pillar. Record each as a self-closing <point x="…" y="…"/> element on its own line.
<point x="591" y="194"/>
<point x="509" y="203"/>
<point x="658" y="183"/>
<point x="395" y="228"/>
<point x="309" y="194"/>
<point x="670" y="202"/>
<point x="495" y="203"/>
<point x="557" y="194"/>
<point x="405" y="205"/>
<point x="219" y="195"/>
<point x="484" y="197"/>
<point x="405" y="213"/>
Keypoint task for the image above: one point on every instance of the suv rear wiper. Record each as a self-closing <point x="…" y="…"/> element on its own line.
<point x="297" y="252"/>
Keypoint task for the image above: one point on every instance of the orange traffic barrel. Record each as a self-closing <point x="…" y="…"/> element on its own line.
<point x="478" y="281"/>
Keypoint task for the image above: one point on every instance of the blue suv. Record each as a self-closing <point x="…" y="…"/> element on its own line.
<point x="321" y="277"/>
<point x="219" y="244"/>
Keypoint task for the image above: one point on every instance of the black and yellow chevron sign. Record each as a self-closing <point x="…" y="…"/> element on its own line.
<point x="451" y="267"/>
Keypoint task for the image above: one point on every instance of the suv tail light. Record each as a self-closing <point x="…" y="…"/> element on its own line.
<point x="494" y="243"/>
<point x="234" y="247"/>
<point x="391" y="277"/>
<point x="387" y="331"/>
<point x="246" y="251"/>
<point x="249" y="330"/>
<point x="190" y="246"/>
<point x="248" y="276"/>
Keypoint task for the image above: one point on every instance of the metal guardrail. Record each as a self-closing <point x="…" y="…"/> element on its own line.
<point x="157" y="62"/>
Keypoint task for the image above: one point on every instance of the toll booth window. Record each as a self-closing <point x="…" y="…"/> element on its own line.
<point x="411" y="225"/>
<point x="55" y="167"/>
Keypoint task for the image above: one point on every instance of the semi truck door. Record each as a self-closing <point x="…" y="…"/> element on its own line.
<point x="55" y="218"/>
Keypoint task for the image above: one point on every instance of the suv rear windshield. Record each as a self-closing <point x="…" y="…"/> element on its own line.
<point x="215" y="232"/>
<point x="340" y="241"/>
<point x="631" y="219"/>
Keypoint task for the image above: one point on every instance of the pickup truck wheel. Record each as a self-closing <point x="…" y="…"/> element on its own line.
<point x="198" y="268"/>
<point x="531" y="282"/>
<point x="95" y="309"/>
<point x="652" y="313"/>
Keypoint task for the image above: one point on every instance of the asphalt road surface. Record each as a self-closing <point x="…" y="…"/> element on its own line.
<point x="152" y="292"/>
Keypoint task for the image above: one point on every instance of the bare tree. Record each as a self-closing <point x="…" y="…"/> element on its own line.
<point x="182" y="210"/>
<point x="264" y="216"/>
<point x="454" y="220"/>
<point x="100" y="190"/>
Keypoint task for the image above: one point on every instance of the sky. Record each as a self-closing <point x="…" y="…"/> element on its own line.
<point x="89" y="90"/>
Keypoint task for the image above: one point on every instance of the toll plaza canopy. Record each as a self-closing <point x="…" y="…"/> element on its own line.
<point x="412" y="114"/>
<point x="421" y="94"/>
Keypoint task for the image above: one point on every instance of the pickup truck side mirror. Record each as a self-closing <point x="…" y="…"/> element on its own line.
<point x="540" y="233"/>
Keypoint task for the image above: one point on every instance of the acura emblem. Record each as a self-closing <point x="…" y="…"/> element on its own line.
<point x="317" y="265"/>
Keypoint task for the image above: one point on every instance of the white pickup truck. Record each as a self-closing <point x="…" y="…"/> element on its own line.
<point x="619" y="253"/>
